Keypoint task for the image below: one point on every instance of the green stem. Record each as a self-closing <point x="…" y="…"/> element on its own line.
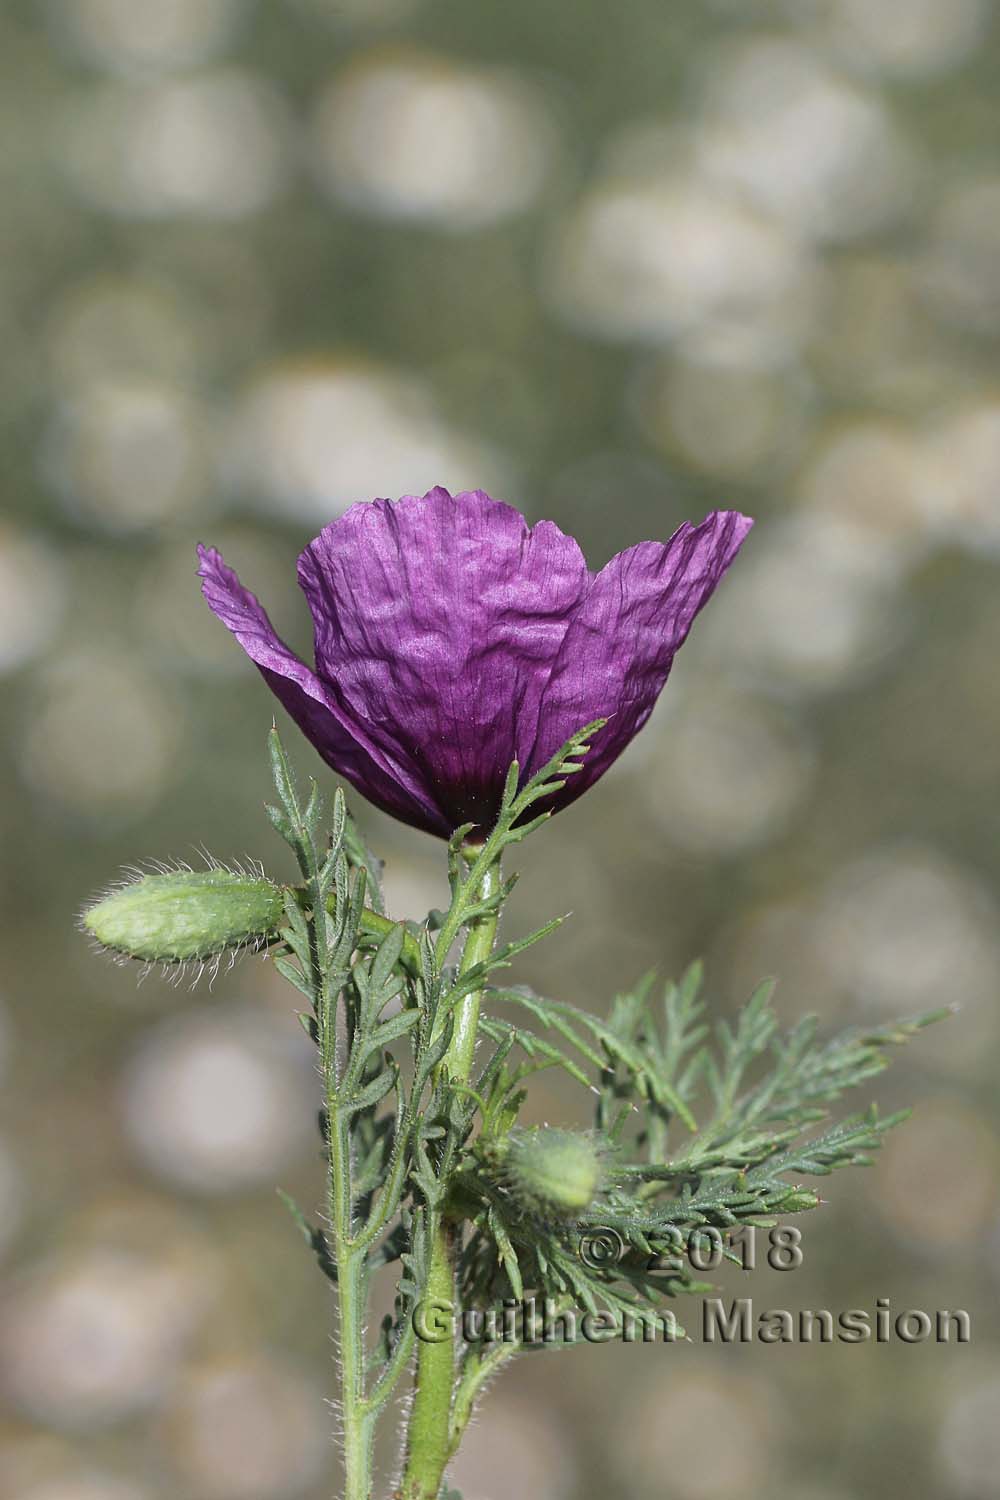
<point x="474" y="1377"/>
<point x="429" y="1433"/>
<point x="373" y="925"/>
<point x="478" y="947"/>
<point x="357" y="1419"/>
<point x="429" y="1439"/>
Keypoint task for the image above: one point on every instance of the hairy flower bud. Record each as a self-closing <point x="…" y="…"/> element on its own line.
<point x="182" y="916"/>
<point x="552" y="1171"/>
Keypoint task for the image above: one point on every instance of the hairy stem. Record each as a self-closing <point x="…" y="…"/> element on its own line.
<point x="372" y="926"/>
<point x="474" y="1378"/>
<point x="358" y="1420"/>
<point x="356" y="1416"/>
<point x="429" y="1439"/>
<point x="478" y="947"/>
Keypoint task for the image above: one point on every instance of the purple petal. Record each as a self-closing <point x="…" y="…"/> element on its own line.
<point x="439" y="619"/>
<point x="617" y="653"/>
<point x="451" y="639"/>
<point x="313" y="704"/>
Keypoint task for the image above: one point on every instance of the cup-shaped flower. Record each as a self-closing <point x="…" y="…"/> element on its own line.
<point x="451" y="639"/>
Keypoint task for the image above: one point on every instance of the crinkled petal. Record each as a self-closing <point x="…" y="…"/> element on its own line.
<point x="439" y="619"/>
<point x="621" y="642"/>
<point x="312" y="703"/>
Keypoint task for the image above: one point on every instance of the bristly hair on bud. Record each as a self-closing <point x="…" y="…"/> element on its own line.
<point x="549" y="1172"/>
<point x="177" y="916"/>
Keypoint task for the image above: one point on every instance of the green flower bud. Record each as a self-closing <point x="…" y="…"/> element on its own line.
<point x="552" y="1171"/>
<point x="186" y="915"/>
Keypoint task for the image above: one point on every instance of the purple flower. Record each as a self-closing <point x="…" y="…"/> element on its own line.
<point x="451" y="638"/>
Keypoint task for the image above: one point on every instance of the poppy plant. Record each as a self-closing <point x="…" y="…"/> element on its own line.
<point x="471" y="670"/>
<point x="451" y="639"/>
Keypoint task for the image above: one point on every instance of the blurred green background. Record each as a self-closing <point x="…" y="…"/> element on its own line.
<point x="619" y="265"/>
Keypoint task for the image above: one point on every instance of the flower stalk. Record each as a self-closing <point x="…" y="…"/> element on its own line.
<point x="429" y="1438"/>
